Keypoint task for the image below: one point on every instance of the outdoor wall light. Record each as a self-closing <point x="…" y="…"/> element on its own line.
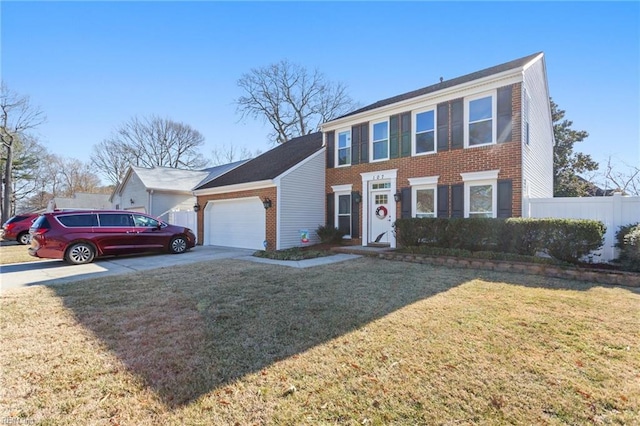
<point x="132" y="202"/>
<point x="397" y="196"/>
<point x="357" y="198"/>
<point x="266" y="203"/>
<point x="196" y="207"/>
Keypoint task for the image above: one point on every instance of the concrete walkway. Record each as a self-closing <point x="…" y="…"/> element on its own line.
<point x="50" y="272"/>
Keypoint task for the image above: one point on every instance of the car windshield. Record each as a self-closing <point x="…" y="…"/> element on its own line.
<point x="15" y="219"/>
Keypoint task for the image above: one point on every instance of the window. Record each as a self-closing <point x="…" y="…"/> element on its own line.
<point x="344" y="214"/>
<point x="425" y="203"/>
<point x="480" y="201"/>
<point x="480" y="120"/>
<point x="425" y="138"/>
<point x="344" y="148"/>
<point x="384" y="185"/>
<point x="144" y="221"/>
<point x="78" y="220"/>
<point x="480" y="193"/>
<point x="115" y="219"/>
<point x="381" y="141"/>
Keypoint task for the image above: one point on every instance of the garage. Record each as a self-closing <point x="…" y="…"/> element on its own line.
<point x="238" y="222"/>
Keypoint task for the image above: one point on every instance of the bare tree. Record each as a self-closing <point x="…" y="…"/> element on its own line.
<point x="148" y="142"/>
<point x="623" y="177"/>
<point x="229" y="153"/>
<point x="294" y="101"/>
<point x="17" y="117"/>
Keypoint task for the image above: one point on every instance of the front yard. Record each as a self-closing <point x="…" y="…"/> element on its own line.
<point x="368" y="341"/>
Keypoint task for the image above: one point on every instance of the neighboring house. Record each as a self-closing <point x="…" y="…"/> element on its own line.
<point x="83" y="200"/>
<point x="268" y="201"/>
<point x="159" y="191"/>
<point x="479" y="145"/>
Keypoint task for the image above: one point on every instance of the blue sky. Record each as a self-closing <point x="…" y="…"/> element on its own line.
<point x="93" y="65"/>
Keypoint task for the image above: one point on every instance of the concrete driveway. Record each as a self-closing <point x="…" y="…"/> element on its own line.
<point x="48" y="272"/>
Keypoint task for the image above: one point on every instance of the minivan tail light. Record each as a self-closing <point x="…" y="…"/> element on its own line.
<point x="39" y="231"/>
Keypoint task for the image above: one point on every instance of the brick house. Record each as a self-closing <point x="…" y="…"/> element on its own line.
<point x="479" y="145"/>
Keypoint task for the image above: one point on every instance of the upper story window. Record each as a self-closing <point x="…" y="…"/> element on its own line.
<point x="425" y="136"/>
<point x="480" y="120"/>
<point x="344" y="148"/>
<point x="381" y="141"/>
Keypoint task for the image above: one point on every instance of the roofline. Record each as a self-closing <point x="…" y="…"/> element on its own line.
<point x="291" y="169"/>
<point x="247" y="186"/>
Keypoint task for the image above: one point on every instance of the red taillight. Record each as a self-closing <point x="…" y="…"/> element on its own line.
<point x="39" y="231"/>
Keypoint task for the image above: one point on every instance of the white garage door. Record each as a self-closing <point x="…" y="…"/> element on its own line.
<point x="235" y="223"/>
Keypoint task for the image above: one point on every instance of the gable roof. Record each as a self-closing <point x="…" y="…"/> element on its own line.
<point x="270" y="164"/>
<point x="168" y="178"/>
<point x="516" y="63"/>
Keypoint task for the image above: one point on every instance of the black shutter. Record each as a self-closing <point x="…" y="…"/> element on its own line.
<point x="405" y="209"/>
<point x="355" y="145"/>
<point x="331" y="200"/>
<point x="443" y="201"/>
<point x="331" y="149"/>
<point x="355" y="217"/>
<point x="405" y="134"/>
<point x="504" y="114"/>
<point x="364" y="143"/>
<point x="457" y="200"/>
<point x="443" y="126"/>
<point x="457" y="124"/>
<point x="505" y="191"/>
<point x="394" y="136"/>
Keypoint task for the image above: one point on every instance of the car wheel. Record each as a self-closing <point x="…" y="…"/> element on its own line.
<point x="178" y="245"/>
<point x="80" y="253"/>
<point x="24" y="238"/>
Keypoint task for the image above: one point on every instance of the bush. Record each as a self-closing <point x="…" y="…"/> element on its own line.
<point x="567" y="240"/>
<point x="329" y="235"/>
<point x="628" y="241"/>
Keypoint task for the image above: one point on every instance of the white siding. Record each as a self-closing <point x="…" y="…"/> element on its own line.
<point x="136" y="191"/>
<point x="537" y="156"/>
<point x="301" y="198"/>
<point x="614" y="212"/>
<point x="162" y="203"/>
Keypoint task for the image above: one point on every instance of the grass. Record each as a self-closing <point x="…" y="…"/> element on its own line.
<point x="294" y="253"/>
<point x="12" y="252"/>
<point x="360" y="342"/>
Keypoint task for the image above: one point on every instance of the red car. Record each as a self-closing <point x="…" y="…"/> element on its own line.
<point x="82" y="235"/>
<point x="17" y="228"/>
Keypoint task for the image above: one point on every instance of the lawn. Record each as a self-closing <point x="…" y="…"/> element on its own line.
<point x="12" y="252"/>
<point x="367" y="341"/>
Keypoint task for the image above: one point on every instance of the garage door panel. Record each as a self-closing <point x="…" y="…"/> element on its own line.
<point x="236" y="223"/>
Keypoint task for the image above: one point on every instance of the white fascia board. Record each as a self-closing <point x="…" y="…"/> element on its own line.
<point x="269" y="183"/>
<point x="531" y="62"/>
<point x="282" y="175"/>
<point x="461" y="90"/>
<point x="120" y="187"/>
<point x="170" y="191"/>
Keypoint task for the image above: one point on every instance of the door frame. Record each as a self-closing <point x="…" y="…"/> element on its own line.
<point x="370" y="177"/>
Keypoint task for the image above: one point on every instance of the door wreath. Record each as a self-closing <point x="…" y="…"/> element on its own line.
<point x="381" y="212"/>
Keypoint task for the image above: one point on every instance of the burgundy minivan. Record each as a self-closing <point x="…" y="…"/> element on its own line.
<point x="80" y="236"/>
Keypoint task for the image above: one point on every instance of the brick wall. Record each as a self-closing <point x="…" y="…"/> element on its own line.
<point x="271" y="214"/>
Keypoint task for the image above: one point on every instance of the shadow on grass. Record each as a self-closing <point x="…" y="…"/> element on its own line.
<point x="189" y="330"/>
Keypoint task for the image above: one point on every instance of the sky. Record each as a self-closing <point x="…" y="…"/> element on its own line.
<point x="91" y="66"/>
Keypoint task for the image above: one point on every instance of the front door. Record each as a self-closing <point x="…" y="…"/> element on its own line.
<point x="380" y="213"/>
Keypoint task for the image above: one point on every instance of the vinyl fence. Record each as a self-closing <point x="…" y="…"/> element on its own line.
<point x="614" y="212"/>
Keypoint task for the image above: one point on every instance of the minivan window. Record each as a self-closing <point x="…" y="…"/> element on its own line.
<point x="78" y="220"/>
<point x="145" y="221"/>
<point x="41" y="223"/>
<point x="16" y="219"/>
<point x="115" y="219"/>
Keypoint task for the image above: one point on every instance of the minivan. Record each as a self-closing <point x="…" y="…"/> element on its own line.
<point x="80" y="236"/>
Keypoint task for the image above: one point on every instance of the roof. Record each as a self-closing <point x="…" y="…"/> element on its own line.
<point x="270" y="164"/>
<point x="516" y="63"/>
<point x="168" y="178"/>
<point x="83" y="200"/>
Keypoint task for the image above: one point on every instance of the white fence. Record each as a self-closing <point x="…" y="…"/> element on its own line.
<point x="614" y="212"/>
<point x="184" y="218"/>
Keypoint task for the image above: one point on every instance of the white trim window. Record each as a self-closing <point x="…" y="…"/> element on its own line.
<point x="424" y="200"/>
<point x="342" y="213"/>
<point x="424" y="135"/>
<point x="343" y="150"/>
<point x="380" y="141"/>
<point x="480" y="120"/>
<point x="481" y="194"/>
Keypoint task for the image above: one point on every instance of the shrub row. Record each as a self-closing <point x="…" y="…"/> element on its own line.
<point x="563" y="239"/>
<point x="628" y="241"/>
